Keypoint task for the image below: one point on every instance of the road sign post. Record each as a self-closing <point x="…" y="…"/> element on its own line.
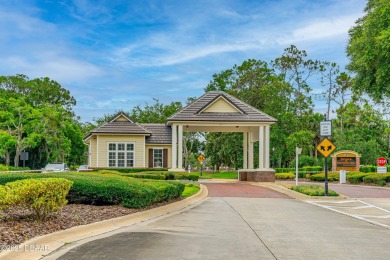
<point x="326" y="147"/>
<point x="381" y="163"/>
<point x="201" y="158"/>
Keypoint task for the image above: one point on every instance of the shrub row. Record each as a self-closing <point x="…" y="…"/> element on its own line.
<point x="156" y="175"/>
<point x="371" y="168"/>
<point x="285" y="176"/>
<point x="355" y="177"/>
<point x="99" y="189"/>
<point x="11" y="168"/>
<point x="41" y="196"/>
<point x="332" y="176"/>
<point x="304" y="170"/>
<point x="134" y="170"/>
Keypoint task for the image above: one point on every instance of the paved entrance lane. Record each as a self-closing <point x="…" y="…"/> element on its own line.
<point x="241" y="190"/>
<point x="355" y="191"/>
<point x="244" y="228"/>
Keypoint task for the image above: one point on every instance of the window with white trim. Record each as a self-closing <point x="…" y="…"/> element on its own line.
<point x="157" y="158"/>
<point x="121" y="154"/>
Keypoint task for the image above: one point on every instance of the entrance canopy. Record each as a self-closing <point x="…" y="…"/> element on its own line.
<point x="217" y="111"/>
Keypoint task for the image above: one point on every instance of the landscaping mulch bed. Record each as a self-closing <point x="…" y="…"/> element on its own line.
<point x="18" y="225"/>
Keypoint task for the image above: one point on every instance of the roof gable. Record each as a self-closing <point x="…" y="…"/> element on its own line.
<point x="121" y="117"/>
<point x="207" y="108"/>
<point x="220" y="104"/>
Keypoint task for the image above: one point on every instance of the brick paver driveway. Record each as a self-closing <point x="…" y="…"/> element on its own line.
<point x="241" y="190"/>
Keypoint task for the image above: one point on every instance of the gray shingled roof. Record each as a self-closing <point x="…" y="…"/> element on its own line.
<point x="160" y="133"/>
<point x="247" y="113"/>
<point x="121" y="127"/>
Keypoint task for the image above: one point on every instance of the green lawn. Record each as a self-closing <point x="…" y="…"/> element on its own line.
<point x="218" y="175"/>
<point x="190" y="189"/>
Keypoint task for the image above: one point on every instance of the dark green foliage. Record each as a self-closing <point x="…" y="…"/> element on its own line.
<point x="95" y="189"/>
<point x="321" y="177"/>
<point x="356" y="177"/>
<point x="375" y="178"/>
<point x="285" y="176"/>
<point x="133" y="170"/>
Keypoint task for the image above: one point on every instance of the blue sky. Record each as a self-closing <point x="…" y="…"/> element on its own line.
<point x="113" y="55"/>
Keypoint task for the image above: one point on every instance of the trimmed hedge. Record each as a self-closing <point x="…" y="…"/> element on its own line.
<point x="371" y="168"/>
<point x="375" y="178"/>
<point x="285" y="176"/>
<point x="11" y="168"/>
<point x="301" y="171"/>
<point x="156" y="175"/>
<point x="333" y="176"/>
<point x="356" y="177"/>
<point x="133" y="170"/>
<point x="95" y="189"/>
<point x="42" y="196"/>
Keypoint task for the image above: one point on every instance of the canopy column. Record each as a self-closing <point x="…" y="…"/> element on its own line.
<point x="250" y="156"/>
<point x="245" y="159"/>
<point x="174" y="146"/>
<point x="180" y="144"/>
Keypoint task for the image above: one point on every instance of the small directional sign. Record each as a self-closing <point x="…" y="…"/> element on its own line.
<point x="201" y="158"/>
<point x="326" y="128"/>
<point x="326" y="147"/>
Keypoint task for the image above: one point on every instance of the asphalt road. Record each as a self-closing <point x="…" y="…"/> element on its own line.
<point x="243" y="228"/>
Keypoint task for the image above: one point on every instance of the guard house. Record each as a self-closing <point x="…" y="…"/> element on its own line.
<point x="217" y="111"/>
<point x="346" y="160"/>
<point x="123" y="143"/>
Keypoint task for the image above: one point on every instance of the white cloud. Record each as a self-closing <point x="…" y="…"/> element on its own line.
<point x="321" y="29"/>
<point x="62" y="69"/>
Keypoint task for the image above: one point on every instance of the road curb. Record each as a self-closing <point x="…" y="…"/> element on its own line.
<point x="41" y="246"/>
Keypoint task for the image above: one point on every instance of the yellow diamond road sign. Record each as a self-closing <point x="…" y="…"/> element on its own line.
<point x="201" y="158"/>
<point x="326" y="147"/>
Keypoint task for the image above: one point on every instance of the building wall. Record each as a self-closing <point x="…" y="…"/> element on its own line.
<point x="92" y="147"/>
<point x="100" y="158"/>
<point x="162" y="146"/>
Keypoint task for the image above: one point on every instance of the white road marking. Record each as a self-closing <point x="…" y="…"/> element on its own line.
<point x="337" y="208"/>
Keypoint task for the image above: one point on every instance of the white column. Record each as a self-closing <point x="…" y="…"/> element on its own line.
<point x="261" y="147"/>
<point x="266" y="143"/>
<point x="245" y="161"/>
<point x="250" y="156"/>
<point x="174" y="148"/>
<point x="97" y="151"/>
<point x="180" y="152"/>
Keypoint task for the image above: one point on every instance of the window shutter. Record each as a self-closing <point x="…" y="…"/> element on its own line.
<point x="165" y="158"/>
<point x="150" y="158"/>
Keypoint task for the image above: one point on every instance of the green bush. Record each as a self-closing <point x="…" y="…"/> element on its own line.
<point x="367" y="168"/>
<point x="135" y="170"/>
<point x="109" y="189"/>
<point x="285" y="176"/>
<point x="3" y="168"/>
<point x="332" y="176"/>
<point x="42" y="196"/>
<point x="146" y="176"/>
<point x="387" y="177"/>
<point x="312" y="168"/>
<point x="356" y="177"/>
<point x="313" y="190"/>
<point x="375" y="178"/>
<point x="107" y="171"/>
